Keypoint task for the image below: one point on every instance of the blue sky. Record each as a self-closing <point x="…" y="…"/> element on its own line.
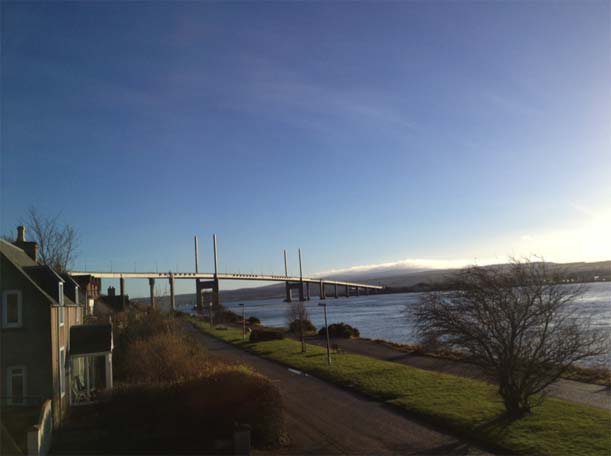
<point x="364" y="133"/>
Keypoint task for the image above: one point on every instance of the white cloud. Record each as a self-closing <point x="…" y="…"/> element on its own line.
<point x="412" y="264"/>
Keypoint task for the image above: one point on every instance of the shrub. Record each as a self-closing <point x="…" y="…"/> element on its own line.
<point x="341" y="330"/>
<point x="132" y="326"/>
<point x="252" y="321"/>
<point x="295" y="327"/>
<point x="263" y="334"/>
<point x="165" y="357"/>
<point x="227" y="316"/>
<point x="189" y="416"/>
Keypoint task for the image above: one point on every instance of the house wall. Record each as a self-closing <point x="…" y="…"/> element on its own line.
<point x="37" y="342"/>
<point x="73" y="315"/>
<point x="29" y="345"/>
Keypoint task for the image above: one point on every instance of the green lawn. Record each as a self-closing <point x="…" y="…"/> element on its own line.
<point x="468" y="407"/>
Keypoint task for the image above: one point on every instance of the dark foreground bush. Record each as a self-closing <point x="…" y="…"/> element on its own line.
<point x="190" y="416"/>
<point x="263" y="334"/>
<point x="252" y="321"/>
<point x="341" y="330"/>
<point x="295" y="326"/>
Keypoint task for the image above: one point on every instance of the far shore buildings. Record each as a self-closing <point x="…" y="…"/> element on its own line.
<point x="48" y="355"/>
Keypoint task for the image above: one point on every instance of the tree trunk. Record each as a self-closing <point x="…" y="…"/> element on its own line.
<point x="515" y="405"/>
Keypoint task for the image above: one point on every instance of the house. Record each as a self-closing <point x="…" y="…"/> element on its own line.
<point x="47" y="353"/>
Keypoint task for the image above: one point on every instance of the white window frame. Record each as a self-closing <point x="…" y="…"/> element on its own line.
<point x="62" y="371"/>
<point x="9" y="383"/>
<point x="60" y="289"/>
<point x="76" y="295"/>
<point x="60" y="315"/>
<point x="5" y="322"/>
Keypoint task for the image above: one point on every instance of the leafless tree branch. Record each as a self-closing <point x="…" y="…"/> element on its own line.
<point x="57" y="242"/>
<point x="517" y="322"/>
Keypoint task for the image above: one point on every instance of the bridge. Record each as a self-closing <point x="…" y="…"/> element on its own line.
<point x="210" y="281"/>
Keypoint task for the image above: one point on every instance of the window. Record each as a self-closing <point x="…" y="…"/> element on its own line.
<point x="61" y="294"/>
<point x="61" y="303"/>
<point x="76" y="295"/>
<point x="12" y="309"/>
<point x="16" y="385"/>
<point x="62" y="371"/>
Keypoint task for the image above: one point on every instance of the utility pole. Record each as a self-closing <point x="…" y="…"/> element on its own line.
<point x="243" y="321"/>
<point x="301" y="290"/>
<point x="324" y="306"/>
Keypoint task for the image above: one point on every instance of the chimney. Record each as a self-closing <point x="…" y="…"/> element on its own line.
<point x="21" y="233"/>
<point x="30" y="248"/>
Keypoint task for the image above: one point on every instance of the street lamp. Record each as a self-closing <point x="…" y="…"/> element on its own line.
<point x="211" y="324"/>
<point x="324" y="305"/>
<point x="243" y="321"/>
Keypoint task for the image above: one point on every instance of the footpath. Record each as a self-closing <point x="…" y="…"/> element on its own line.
<point x="322" y="418"/>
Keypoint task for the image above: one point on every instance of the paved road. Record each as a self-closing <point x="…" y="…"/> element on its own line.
<point x="323" y="419"/>
<point x="579" y="392"/>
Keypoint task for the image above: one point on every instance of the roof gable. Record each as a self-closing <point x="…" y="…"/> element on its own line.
<point x="20" y="260"/>
<point x="41" y="276"/>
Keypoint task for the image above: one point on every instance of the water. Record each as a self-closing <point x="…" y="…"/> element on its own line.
<point x="386" y="316"/>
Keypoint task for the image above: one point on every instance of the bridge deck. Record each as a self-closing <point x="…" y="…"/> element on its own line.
<point x="210" y="276"/>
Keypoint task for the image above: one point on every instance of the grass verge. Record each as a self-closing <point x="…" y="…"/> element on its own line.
<point x="468" y="407"/>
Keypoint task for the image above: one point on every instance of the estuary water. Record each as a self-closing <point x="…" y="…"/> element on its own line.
<point x="386" y="316"/>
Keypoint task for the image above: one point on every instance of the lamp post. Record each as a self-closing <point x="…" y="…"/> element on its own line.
<point x="211" y="324"/>
<point x="243" y="321"/>
<point x="324" y="306"/>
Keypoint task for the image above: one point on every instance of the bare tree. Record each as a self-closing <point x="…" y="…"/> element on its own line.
<point x="57" y="242"/>
<point x="515" y="321"/>
<point x="297" y="312"/>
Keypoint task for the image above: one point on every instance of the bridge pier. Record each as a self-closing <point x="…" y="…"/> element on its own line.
<point x="323" y="295"/>
<point x="152" y="290"/>
<point x="199" y="302"/>
<point x="122" y="289"/>
<point x="347" y="291"/>
<point x="358" y="291"/>
<point x="290" y="286"/>
<point x="308" y="291"/>
<point x="172" y="295"/>
<point x="335" y="290"/>
<point x="203" y="285"/>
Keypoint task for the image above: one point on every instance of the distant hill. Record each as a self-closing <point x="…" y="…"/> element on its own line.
<point x="397" y="280"/>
